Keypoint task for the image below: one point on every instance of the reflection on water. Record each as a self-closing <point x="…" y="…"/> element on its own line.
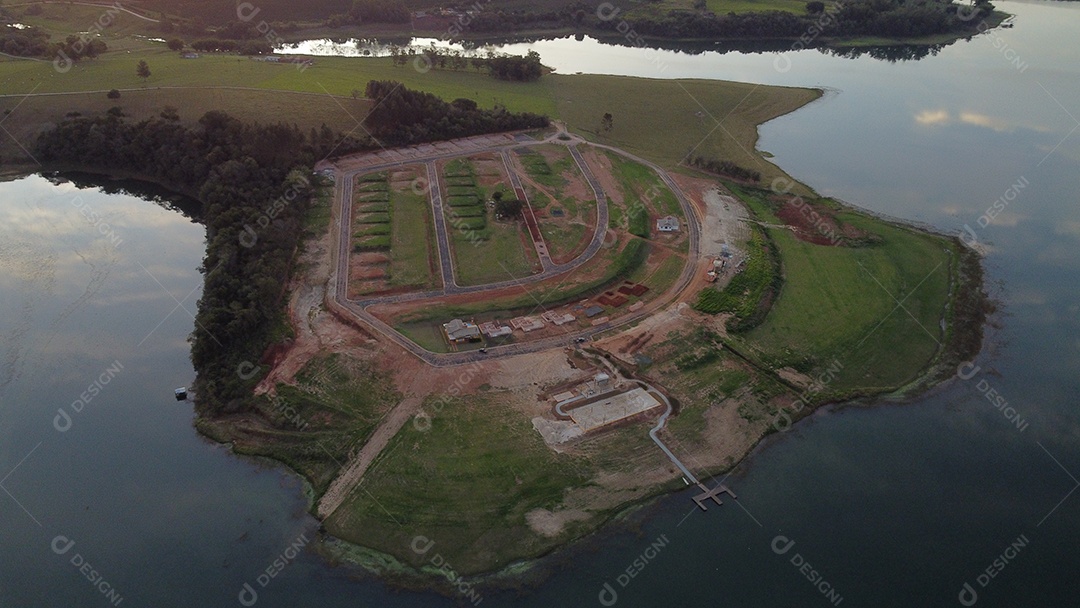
<point x="551" y="49"/>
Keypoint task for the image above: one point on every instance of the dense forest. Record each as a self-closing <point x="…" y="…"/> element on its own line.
<point x="255" y="183"/>
<point x="34" y="42"/>
<point x="401" y="116"/>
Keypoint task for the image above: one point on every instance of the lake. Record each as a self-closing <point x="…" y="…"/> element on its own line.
<point x="893" y="505"/>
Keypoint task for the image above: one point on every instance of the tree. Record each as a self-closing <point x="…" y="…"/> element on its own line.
<point x="142" y="70"/>
<point x="815" y="7"/>
<point x="605" y="122"/>
<point x="175" y="44"/>
<point x="170" y="113"/>
<point x="113" y="94"/>
<point x="508" y="208"/>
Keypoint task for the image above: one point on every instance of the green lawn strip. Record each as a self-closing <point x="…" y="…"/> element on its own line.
<point x="373" y="218"/>
<point x="411" y="249"/>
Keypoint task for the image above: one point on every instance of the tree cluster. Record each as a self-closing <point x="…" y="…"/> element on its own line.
<point x="400" y="116"/>
<point x="519" y="68"/>
<point x="34" y="42"/>
<point x="243" y="47"/>
<point x="725" y="167"/>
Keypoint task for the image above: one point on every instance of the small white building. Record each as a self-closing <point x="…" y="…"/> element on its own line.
<point x="668" y="224"/>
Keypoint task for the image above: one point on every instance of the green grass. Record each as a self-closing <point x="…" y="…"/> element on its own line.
<point x="500" y="256"/>
<point x="371" y="243"/>
<point x="374" y="218"/>
<point x="659" y="279"/>
<point x="337" y="76"/>
<point x="376" y="207"/>
<point x="662" y="119"/>
<point x="462" y="201"/>
<point x="374" y="229"/>
<point x="317" y="219"/>
<point x="466" y="483"/>
<point x="841" y="303"/>
<point x="333" y="408"/>
<point x="426" y="334"/>
<point x="642" y="184"/>
<point x="562" y="240"/>
<point x="411" y="249"/>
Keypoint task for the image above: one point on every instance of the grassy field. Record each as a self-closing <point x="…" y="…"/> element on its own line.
<point x="711" y="118"/>
<point x="500" y="257"/>
<point x="338" y="76"/>
<point x="331" y="410"/>
<point x="466" y="483"/>
<point x="562" y="239"/>
<point x="412" y="240"/>
<point x="841" y="303"/>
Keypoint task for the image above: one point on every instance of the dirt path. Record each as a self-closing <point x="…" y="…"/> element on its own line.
<point x="345" y="482"/>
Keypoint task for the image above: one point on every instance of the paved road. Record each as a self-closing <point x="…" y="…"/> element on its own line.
<point x="359" y="308"/>
<point x="446" y="261"/>
<point x="530" y="216"/>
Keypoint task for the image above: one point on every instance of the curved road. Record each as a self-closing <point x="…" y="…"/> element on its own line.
<point x="358" y="308"/>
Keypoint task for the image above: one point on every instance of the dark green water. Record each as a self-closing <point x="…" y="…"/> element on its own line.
<point x="895" y="505"/>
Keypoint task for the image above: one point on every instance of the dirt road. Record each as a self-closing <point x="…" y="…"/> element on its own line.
<point x="352" y="472"/>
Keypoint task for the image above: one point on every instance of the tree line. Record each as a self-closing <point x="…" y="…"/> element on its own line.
<point x="518" y="68"/>
<point x="401" y="116"/>
<point x="725" y="167"/>
<point x="887" y="18"/>
<point x="35" y="42"/>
